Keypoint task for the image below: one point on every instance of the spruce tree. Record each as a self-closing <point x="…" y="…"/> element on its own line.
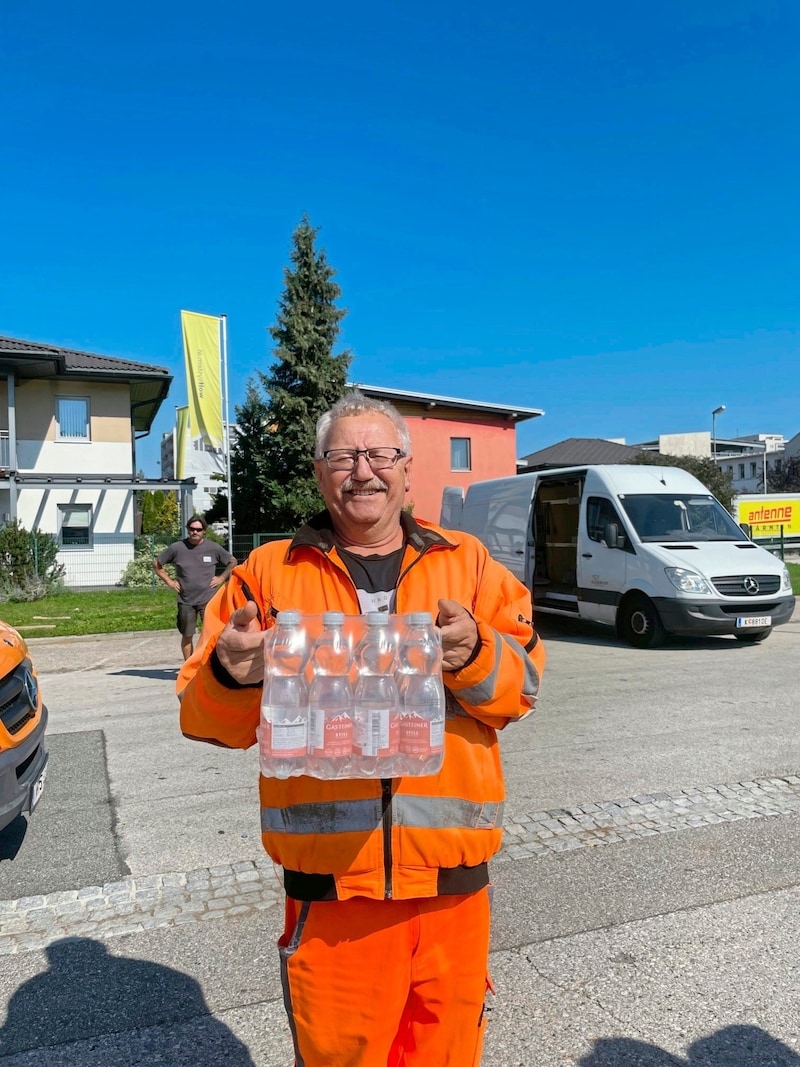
<point x="305" y="380"/>
<point x="246" y="466"/>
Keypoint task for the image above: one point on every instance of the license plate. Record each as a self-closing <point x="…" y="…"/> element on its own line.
<point x="759" y="621"/>
<point x="37" y="789"/>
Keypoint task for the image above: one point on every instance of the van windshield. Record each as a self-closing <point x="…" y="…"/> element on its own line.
<point x="662" y="517"/>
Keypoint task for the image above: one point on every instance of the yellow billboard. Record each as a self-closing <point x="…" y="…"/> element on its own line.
<point x="769" y="516"/>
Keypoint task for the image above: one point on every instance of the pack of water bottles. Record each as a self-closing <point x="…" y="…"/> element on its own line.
<point x="352" y="696"/>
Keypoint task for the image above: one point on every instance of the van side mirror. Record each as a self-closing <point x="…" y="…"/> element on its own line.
<point x="612" y="537"/>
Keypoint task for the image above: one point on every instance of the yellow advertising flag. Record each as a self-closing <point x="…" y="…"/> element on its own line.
<point x="201" y="346"/>
<point x="181" y="425"/>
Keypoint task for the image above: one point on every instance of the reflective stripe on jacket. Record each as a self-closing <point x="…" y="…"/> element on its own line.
<point x="404" y="837"/>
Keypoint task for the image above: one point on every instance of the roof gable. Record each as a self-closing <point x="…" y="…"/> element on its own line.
<point x="149" y="384"/>
<point x="578" y="451"/>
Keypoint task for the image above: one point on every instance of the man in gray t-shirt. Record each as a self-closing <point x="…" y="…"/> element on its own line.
<point x="195" y="560"/>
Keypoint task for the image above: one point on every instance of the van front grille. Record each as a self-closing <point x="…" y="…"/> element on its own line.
<point x="748" y="584"/>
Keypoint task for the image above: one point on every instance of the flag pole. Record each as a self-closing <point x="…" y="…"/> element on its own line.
<point x="224" y="321"/>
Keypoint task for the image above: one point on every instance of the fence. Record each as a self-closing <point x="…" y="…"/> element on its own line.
<point x="243" y="544"/>
<point x="112" y="560"/>
<point x="779" y="545"/>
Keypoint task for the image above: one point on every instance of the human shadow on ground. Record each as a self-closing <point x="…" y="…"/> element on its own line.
<point x="128" y="1010"/>
<point x="159" y="674"/>
<point x="733" y="1046"/>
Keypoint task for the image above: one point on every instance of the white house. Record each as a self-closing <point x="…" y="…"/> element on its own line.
<point x="69" y="422"/>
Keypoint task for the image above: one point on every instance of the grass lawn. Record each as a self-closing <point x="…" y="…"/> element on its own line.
<point x="794" y="570"/>
<point x="115" y="611"/>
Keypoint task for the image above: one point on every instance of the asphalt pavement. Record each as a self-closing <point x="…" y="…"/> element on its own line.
<point x="646" y="898"/>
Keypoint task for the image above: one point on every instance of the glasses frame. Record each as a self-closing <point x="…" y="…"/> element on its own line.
<point x="356" y="452"/>
<point x="195" y="529"/>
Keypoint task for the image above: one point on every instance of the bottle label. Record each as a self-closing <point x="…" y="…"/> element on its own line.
<point x="331" y="734"/>
<point x="377" y="733"/>
<point x="421" y="736"/>
<point x="285" y="740"/>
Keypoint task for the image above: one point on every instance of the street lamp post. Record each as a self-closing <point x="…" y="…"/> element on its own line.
<point x="714" y="413"/>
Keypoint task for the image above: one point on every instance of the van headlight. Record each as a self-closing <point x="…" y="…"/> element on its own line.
<point x="687" y="581"/>
<point x="786" y="580"/>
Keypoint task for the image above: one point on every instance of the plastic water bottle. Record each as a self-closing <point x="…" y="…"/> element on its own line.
<point x="283" y="733"/>
<point x="330" y="702"/>
<point x="421" y="697"/>
<point x="376" y="726"/>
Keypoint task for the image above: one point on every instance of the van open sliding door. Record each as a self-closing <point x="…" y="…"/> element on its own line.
<point x="556" y="514"/>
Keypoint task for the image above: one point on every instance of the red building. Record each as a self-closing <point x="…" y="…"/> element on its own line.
<point x="455" y="442"/>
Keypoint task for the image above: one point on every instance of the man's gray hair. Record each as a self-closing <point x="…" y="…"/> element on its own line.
<point x="355" y="403"/>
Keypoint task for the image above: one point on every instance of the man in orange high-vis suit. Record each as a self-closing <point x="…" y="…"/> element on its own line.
<point x="384" y="954"/>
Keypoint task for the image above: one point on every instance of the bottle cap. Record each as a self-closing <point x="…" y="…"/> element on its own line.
<point x="333" y="618"/>
<point x="420" y="618"/>
<point x="289" y="618"/>
<point x="377" y="618"/>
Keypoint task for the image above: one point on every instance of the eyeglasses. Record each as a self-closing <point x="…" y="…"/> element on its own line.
<point x="195" y="529"/>
<point x="345" y="459"/>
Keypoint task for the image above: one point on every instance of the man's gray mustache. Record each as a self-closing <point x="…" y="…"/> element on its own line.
<point x="374" y="483"/>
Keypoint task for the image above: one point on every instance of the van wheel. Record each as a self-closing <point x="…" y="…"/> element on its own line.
<point x="752" y="637"/>
<point x="640" y="623"/>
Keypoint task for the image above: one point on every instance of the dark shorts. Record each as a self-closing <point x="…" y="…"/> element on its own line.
<point x="187" y="618"/>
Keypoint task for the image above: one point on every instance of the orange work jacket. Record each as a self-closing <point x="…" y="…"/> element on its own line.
<point x="392" y="838"/>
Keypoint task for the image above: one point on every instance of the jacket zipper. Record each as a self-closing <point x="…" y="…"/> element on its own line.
<point x="386" y="783"/>
<point x="386" y="786"/>
<point x="386" y="820"/>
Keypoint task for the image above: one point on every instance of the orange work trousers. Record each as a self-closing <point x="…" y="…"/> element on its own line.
<point x="387" y="983"/>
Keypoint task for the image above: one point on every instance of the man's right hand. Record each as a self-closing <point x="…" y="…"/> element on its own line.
<point x="240" y="646"/>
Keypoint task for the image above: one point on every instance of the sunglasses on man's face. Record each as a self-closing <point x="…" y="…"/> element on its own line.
<point x="195" y="529"/>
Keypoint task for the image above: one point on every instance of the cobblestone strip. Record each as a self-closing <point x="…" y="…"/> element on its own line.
<point x="541" y="833"/>
<point x="136" y="904"/>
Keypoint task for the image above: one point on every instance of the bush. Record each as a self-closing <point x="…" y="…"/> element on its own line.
<point x="28" y="563"/>
<point x="139" y="573"/>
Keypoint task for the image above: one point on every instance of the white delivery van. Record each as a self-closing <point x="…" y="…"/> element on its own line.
<point x="645" y="549"/>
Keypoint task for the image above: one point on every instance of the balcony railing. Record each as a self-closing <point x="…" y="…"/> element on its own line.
<point x="4" y="449"/>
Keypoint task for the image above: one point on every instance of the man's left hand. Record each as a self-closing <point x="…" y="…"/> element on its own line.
<point x="459" y="634"/>
<point x="217" y="580"/>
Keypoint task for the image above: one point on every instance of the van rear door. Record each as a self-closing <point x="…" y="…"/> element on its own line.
<point x="452" y="506"/>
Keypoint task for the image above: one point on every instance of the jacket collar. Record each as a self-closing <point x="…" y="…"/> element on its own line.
<point x="318" y="533"/>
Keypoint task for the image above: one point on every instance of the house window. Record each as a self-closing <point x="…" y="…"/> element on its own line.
<point x="76" y="524"/>
<point x="460" y="454"/>
<point x="72" y="418"/>
<point x="752" y="470"/>
<point x="741" y="470"/>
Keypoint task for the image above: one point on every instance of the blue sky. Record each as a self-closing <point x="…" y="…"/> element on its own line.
<point x="589" y="209"/>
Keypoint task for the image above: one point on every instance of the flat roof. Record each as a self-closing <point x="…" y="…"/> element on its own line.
<point x="431" y="400"/>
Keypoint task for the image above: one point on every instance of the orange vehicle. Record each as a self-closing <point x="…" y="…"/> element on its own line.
<point x="23" y="719"/>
